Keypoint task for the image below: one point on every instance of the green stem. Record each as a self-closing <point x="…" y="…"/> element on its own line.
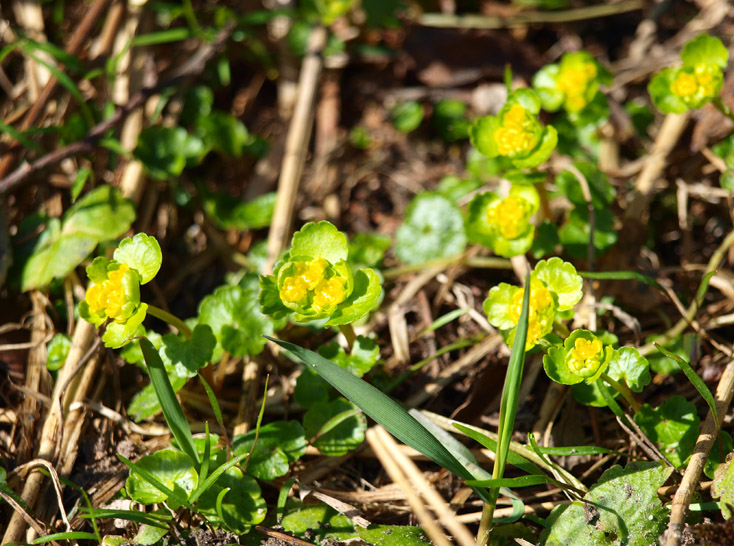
<point x="171" y="319"/>
<point x="624" y="390"/>
<point x="348" y="332"/>
<point x="722" y="107"/>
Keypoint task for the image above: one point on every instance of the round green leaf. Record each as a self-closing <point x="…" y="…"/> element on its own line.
<point x="481" y="135"/>
<point x="118" y="334"/>
<point x="629" y="365"/>
<point x="705" y="49"/>
<point x="234" y="315"/>
<point x="359" y="360"/>
<point x="57" y="351"/>
<point x="141" y="253"/>
<point x="347" y="435"/>
<point x="433" y="228"/>
<point x="193" y="354"/>
<point x="662" y="97"/>
<point x="556" y="368"/>
<point x="171" y="467"/>
<point x="320" y="240"/>
<point x="673" y="425"/>
<point x="407" y="116"/>
<point x="278" y="444"/>
<point x="497" y="306"/>
<point x="163" y="151"/>
<point x="242" y="506"/>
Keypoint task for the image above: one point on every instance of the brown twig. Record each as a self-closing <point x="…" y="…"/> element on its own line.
<point x="709" y="432"/>
<point x="192" y="67"/>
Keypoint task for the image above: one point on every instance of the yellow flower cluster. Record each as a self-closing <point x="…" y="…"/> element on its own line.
<point x="687" y="84"/>
<point x="108" y="296"/>
<point x="574" y="80"/>
<point x="308" y="279"/>
<point x="542" y="311"/>
<point x="518" y="132"/>
<point x="511" y="216"/>
<point x="586" y="356"/>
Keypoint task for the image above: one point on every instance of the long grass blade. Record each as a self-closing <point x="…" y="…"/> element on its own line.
<point x="169" y="403"/>
<point x="622" y="276"/>
<point x="694" y="378"/>
<point x="379" y="407"/>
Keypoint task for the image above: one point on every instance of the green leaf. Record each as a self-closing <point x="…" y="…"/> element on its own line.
<point x="100" y="215"/>
<point x="622" y="276"/>
<point x="278" y="444"/>
<point x="233" y="313"/>
<point x="223" y="133"/>
<point x="68" y="535"/>
<point x="198" y="103"/>
<point x="622" y="508"/>
<point x="561" y="278"/>
<point x="449" y="120"/>
<point x="169" y="403"/>
<point x="338" y="441"/>
<point x="512" y="458"/>
<point x="575" y="232"/>
<point x="367" y="249"/>
<point x="630" y="366"/>
<point x="320" y="240"/>
<point x="407" y="116"/>
<point x="433" y="228"/>
<point x="118" y="334"/>
<point x="360" y="360"/>
<point x="310" y="389"/>
<point x="242" y="507"/>
<point x="673" y="425"/>
<point x="365" y="295"/>
<point x="705" y="50"/>
<point x="481" y="135"/>
<point x="164" y="150"/>
<point x="602" y="192"/>
<point x="57" y="351"/>
<point x="498" y="304"/>
<point x="723" y="489"/>
<point x="379" y="407"/>
<point x="193" y="354"/>
<point x="521" y="481"/>
<point x="171" y="468"/>
<point x="149" y="534"/>
<point x="82" y="175"/>
<point x="546" y="240"/>
<point x="548" y="142"/>
<point x="662" y="97"/>
<point x="141" y="253"/>
<point x="227" y="212"/>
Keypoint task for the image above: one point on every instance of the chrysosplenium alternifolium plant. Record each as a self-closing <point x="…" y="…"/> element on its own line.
<point x="114" y="291"/>
<point x="313" y="280"/>
<point x="516" y="132"/>
<point x="554" y="287"/>
<point x="503" y="224"/>
<point x="696" y="82"/>
<point x="571" y="84"/>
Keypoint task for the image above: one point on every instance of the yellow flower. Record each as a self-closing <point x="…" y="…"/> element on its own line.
<point x="313" y="281"/>
<point x="684" y="85"/>
<point x="511" y="216"/>
<point x="109" y="296"/>
<point x="518" y="132"/>
<point x="573" y="81"/>
<point x="586" y="356"/>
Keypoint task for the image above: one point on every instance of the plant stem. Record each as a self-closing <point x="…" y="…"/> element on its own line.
<point x="722" y="107"/>
<point x="349" y="334"/>
<point x="171" y="319"/>
<point x="624" y="390"/>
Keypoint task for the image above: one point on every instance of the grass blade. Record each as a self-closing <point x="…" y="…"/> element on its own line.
<point x="72" y="535"/>
<point x="169" y="403"/>
<point x="521" y="481"/>
<point x="622" y="276"/>
<point x="379" y="407"/>
<point x="694" y="378"/>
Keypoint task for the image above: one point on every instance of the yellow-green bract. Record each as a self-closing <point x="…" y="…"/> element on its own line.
<point x="313" y="281"/>
<point x="114" y="291"/>
<point x="554" y="286"/>
<point x="696" y="82"/>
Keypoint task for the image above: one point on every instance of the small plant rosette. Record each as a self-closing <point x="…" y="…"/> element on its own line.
<point x="516" y="132"/>
<point x="114" y="290"/>
<point x="503" y="224"/>
<point x="696" y="82"/>
<point x="571" y="84"/>
<point x="583" y="357"/>
<point x="555" y="286"/>
<point x="313" y="281"/>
